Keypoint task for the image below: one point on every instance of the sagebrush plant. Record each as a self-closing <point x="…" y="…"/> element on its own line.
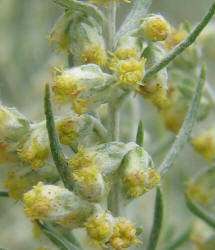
<point x="72" y="171"/>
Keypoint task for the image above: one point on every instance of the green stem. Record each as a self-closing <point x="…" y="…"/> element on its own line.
<point x="182" y="46"/>
<point x="186" y="128"/>
<point x="55" y="237"/>
<point x="114" y="204"/>
<point x="157" y="223"/>
<point x="100" y="129"/>
<point x="110" y="12"/>
<point x="57" y="153"/>
<point x="200" y="212"/>
<point x="113" y="116"/>
<point x="180" y="240"/>
<point x="4" y="194"/>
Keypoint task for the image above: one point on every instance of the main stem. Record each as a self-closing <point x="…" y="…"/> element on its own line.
<point x="113" y="110"/>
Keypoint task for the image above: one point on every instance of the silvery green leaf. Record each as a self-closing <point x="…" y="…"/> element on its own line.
<point x="140" y="8"/>
<point x="186" y="128"/>
<point x="86" y="8"/>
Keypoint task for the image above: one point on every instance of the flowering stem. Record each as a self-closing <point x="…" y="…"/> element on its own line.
<point x="157" y="223"/>
<point x="113" y="123"/>
<point x="200" y="212"/>
<point x="182" y="46"/>
<point x="180" y="240"/>
<point x="57" y="153"/>
<point x="186" y="128"/>
<point x="4" y="194"/>
<point x="55" y="237"/>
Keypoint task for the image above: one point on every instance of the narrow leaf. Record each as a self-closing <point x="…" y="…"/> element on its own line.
<point x="131" y="22"/>
<point x="200" y="212"/>
<point x="55" y="237"/>
<point x="86" y="8"/>
<point x="140" y="134"/>
<point x="182" y="46"/>
<point x="4" y="194"/>
<point x="157" y="223"/>
<point x="186" y="128"/>
<point x="57" y="153"/>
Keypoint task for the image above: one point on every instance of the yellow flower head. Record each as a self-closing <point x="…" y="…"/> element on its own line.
<point x="100" y="227"/>
<point x="128" y="47"/>
<point x="129" y="72"/>
<point x="86" y="176"/>
<point x="138" y="182"/>
<point x="60" y="33"/>
<point x="80" y="106"/>
<point x="124" y="235"/>
<point x="177" y="36"/>
<point x="66" y="87"/>
<point x="204" y="144"/>
<point x="94" y="53"/>
<point x="67" y="131"/>
<point x="155" y="28"/>
<point x="37" y="205"/>
<point x="138" y="174"/>
<point x="81" y="159"/>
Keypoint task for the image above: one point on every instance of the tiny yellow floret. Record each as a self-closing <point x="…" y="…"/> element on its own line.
<point x="36" y="205"/>
<point x="124" y="235"/>
<point x="130" y="72"/>
<point x="94" y="53"/>
<point x="99" y="228"/>
<point x="67" y="131"/>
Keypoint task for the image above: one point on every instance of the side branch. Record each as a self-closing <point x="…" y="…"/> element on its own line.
<point x="182" y="46"/>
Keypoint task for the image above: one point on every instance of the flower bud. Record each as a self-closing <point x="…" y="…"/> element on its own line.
<point x="154" y="28"/>
<point x="94" y="167"/>
<point x="88" y="42"/>
<point x="204" y="144"/>
<point x="73" y="128"/>
<point x="127" y="47"/>
<point x="80" y="86"/>
<point x="60" y="33"/>
<point x="124" y="234"/>
<point x="89" y="183"/>
<point x="35" y="148"/>
<point x="106" y="230"/>
<point x="20" y="180"/>
<point x="57" y="204"/>
<point x="155" y="88"/>
<point x="13" y="125"/>
<point x="129" y="72"/>
<point x="100" y="227"/>
<point x="138" y="173"/>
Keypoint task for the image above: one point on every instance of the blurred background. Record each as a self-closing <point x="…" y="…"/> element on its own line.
<point x="26" y="63"/>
